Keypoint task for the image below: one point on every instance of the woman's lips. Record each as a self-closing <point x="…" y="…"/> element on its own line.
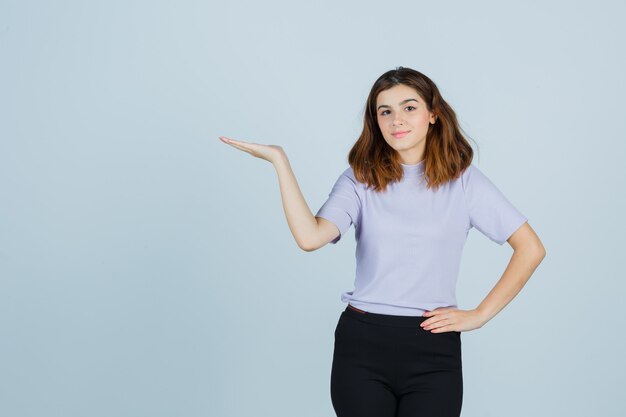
<point x="400" y="134"/>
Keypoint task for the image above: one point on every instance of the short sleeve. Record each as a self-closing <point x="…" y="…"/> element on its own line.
<point x="343" y="204"/>
<point x="489" y="210"/>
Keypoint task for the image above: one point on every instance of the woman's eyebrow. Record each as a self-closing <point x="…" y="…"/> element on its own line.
<point x="399" y="104"/>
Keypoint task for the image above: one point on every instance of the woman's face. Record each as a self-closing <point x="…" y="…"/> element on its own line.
<point x="401" y="109"/>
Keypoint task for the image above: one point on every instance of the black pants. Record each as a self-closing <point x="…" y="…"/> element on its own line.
<point x="389" y="366"/>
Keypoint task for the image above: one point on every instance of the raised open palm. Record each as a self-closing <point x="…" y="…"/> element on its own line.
<point x="268" y="152"/>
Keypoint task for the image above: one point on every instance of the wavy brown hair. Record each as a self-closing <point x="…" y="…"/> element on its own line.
<point x="447" y="151"/>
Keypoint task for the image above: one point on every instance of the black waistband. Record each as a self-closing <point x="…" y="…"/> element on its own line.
<point x="383" y="319"/>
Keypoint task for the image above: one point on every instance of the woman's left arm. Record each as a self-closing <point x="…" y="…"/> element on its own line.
<point x="528" y="252"/>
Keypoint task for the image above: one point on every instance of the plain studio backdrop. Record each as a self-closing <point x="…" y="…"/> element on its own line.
<point x="147" y="268"/>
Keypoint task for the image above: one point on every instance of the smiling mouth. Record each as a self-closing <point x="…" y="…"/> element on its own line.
<point x="400" y="134"/>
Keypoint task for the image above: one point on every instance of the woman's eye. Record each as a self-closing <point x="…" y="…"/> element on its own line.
<point x="384" y="112"/>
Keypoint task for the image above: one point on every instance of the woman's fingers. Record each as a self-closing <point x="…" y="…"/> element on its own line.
<point x="225" y="139"/>
<point x="242" y="147"/>
<point x="268" y="152"/>
<point x="237" y="144"/>
<point x="234" y="141"/>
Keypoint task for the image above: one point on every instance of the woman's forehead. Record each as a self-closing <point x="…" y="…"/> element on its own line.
<point x="400" y="96"/>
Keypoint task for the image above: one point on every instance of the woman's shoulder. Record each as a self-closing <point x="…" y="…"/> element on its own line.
<point x="349" y="172"/>
<point x="347" y="176"/>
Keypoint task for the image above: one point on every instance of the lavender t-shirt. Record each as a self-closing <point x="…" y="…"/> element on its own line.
<point x="410" y="239"/>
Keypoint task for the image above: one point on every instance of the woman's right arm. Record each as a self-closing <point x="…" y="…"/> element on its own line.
<point x="310" y="232"/>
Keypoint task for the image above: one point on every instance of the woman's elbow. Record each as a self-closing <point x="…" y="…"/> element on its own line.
<point x="307" y="247"/>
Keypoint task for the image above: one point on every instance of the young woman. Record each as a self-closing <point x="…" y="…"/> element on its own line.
<point x="412" y="194"/>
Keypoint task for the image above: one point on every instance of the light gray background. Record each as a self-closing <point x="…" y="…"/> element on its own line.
<point x="147" y="269"/>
